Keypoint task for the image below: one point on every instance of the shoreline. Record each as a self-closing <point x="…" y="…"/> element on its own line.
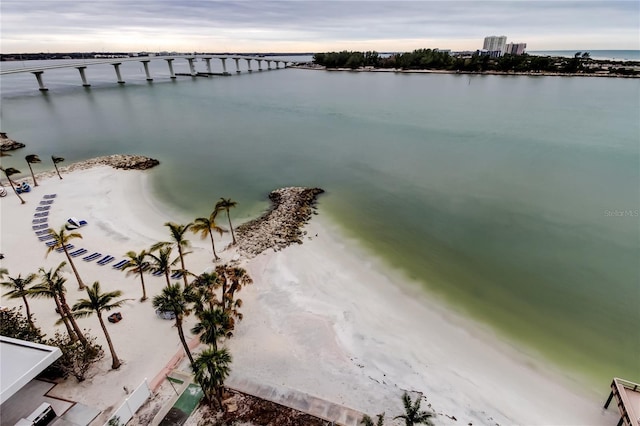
<point x="427" y="71"/>
<point x="325" y="317"/>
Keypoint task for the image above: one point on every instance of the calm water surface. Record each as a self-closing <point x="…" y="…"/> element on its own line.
<point x="515" y="199"/>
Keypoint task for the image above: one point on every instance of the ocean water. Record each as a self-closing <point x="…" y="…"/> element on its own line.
<point x="512" y="199"/>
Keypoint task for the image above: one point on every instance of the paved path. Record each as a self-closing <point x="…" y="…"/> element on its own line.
<point x="297" y="400"/>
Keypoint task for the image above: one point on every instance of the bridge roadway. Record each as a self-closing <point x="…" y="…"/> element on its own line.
<point x="116" y="62"/>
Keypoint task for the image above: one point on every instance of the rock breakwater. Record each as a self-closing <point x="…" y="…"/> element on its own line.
<point x="282" y="225"/>
<point x="8" y="144"/>
<point x="117" y="161"/>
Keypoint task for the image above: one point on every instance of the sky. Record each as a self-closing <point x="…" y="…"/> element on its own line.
<point x="312" y="26"/>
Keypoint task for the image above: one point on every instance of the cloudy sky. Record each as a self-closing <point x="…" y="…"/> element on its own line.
<point x="311" y="26"/>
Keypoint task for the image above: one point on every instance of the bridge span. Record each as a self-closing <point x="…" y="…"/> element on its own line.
<point x="116" y="62"/>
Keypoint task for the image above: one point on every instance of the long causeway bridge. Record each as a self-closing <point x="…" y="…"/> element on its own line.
<point x="116" y="62"/>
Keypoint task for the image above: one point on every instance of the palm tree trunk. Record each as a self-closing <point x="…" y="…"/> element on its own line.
<point x="184" y="270"/>
<point x="73" y="322"/>
<point x="56" y="166"/>
<point x="14" y="190"/>
<point x="32" y="175"/>
<point x="65" y="320"/>
<point x="26" y="306"/>
<point x="233" y="236"/>
<point x="213" y="246"/>
<point x="81" y="285"/>
<point x="166" y="275"/>
<point x="144" y="290"/>
<point x="116" y="362"/>
<point x="184" y="341"/>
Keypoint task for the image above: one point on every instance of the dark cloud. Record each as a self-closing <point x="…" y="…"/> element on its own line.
<point x="329" y="22"/>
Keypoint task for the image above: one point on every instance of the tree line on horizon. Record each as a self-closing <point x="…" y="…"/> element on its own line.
<point x="433" y="59"/>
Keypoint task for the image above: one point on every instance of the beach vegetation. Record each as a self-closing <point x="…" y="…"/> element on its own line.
<point x="368" y="421"/>
<point x="233" y="279"/>
<point x="60" y="241"/>
<point x="56" y="161"/>
<point x="213" y="326"/>
<point x="15" y="325"/>
<point x="174" y="299"/>
<point x="19" y="289"/>
<point x="211" y="369"/>
<point x="412" y="414"/>
<point x="205" y="226"/>
<point x="31" y="159"/>
<point x="204" y="288"/>
<point x="97" y="302"/>
<point x="162" y="261"/>
<point x="226" y="204"/>
<point x="8" y="172"/>
<point x="137" y="264"/>
<point x="77" y="359"/>
<point x="177" y="233"/>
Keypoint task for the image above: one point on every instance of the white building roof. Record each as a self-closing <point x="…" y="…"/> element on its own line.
<point x="22" y="361"/>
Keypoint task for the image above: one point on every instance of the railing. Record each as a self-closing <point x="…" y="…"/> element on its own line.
<point x="131" y="405"/>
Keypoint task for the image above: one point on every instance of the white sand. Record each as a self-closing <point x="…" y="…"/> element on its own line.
<point x="321" y="318"/>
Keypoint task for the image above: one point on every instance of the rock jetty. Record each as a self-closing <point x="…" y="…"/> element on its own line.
<point x="117" y="161"/>
<point x="282" y="225"/>
<point x="8" y="144"/>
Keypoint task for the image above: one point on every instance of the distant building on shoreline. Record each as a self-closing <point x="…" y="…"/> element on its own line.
<point x="496" y="46"/>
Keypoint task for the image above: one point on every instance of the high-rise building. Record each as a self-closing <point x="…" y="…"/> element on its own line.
<point x="494" y="43"/>
<point x="515" y="48"/>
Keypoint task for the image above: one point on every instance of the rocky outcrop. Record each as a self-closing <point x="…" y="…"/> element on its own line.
<point x="117" y="161"/>
<point x="282" y="224"/>
<point x="8" y="144"/>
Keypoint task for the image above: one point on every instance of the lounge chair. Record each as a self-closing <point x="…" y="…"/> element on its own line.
<point x="42" y="208"/>
<point x="121" y="264"/>
<point x="41" y="214"/>
<point x="157" y="273"/>
<point x="78" y="252"/>
<point x="51" y="243"/>
<point x="45" y="202"/>
<point x="43" y="232"/>
<point x="82" y="223"/>
<point x="40" y="220"/>
<point x="92" y="256"/>
<point x="105" y="260"/>
<point x="38" y="227"/>
<point x="46" y="237"/>
<point x="176" y="275"/>
<point x="68" y="247"/>
<point x="50" y="196"/>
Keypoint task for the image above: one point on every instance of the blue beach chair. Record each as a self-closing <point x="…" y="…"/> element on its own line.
<point x="46" y="237"/>
<point x="121" y="264"/>
<point x="39" y="220"/>
<point x="92" y="256"/>
<point x="78" y="252"/>
<point x="68" y="247"/>
<point x="42" y="208"/>
<point x="38" y="227"/>
<point x="50" y="196"/>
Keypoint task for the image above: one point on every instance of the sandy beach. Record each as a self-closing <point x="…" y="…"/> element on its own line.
<point x="325" y="317"/>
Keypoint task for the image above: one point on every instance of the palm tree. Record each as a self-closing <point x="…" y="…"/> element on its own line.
<point x="137" y="265"/>
<point x="19" y="289"/>
<point x="178" y="238"/>
<point x="205" y="287"/>
<point x="226" y="204"/>
<point x="61" y="239"/>
<point x="51" y="284"/>
<point x="213" y="325"/>
<point x="205" y="226"/>
<point x="412" y="414"/>
<point x="162" y="261"/>
<point x="97" y="303"/>
<point x="211" y="369"/>
<point x="57" y="160"/>
<point x="237" y="278"/>
<point x="172" y="299"/>
<point x="30" y="160"/>
<point x="368" y="421"/>
<point x="8" y="172"/>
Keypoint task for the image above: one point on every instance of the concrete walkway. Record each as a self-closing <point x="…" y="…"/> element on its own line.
<point x="300" y="401"/>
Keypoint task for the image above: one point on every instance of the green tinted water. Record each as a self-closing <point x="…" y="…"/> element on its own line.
<point x="513" y="198"/>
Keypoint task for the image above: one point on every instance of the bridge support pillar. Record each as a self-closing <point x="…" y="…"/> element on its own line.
<point x="224" y="66"/>
<point x="83" y="77"/>
<point x="259" y="64"/>
<point x="248" y="64"/>
<point x="268" y="63"/>
<point x="117" y="68"/>
<point x="38" y="75"/>
<point x="208" y="62"/>
<point x="237" y="65"/>
<point x="192" y="69"/>
<point x="145" y="63"/>
<point x="170" y="63"/>
<point x="277" y="64"/>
